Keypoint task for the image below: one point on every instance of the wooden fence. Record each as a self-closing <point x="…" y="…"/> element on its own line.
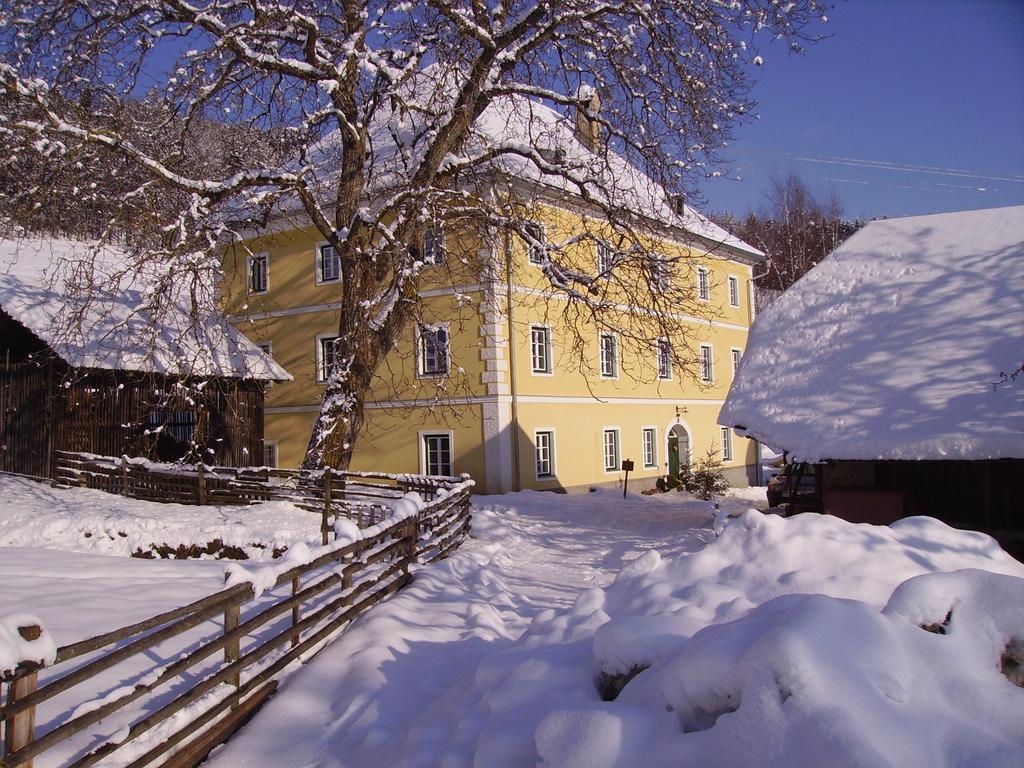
<point x="228" y="671"/>
<point x="359" y="496"/>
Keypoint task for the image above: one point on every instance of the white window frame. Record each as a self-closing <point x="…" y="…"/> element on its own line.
<point x="437" y="250"/>
<point x="421" y="371"/>
<point x="618" y="449"/>
<point x="272" y="445"/>
<point x="736" y="354"/>
<point x="661" y="273"/>
<point x="539" y="232"/>
<point x="606" y="258"/>
<point x="422" y="438"/>
<point x="734" y="291"/>
<point x="703" y="284"/>
<point x="710" y="366"/>
<point x="318" y="264"/>
<point x="552" y="472"/>
<point x="614" y="372"/>
<point x="253" y="258"/>
<point x="651" y="461"/>
<point x="549" y="369"/>
<point x="726" y="436"/>
<point x="321" y="371"/>
<point x="664" y="350"/>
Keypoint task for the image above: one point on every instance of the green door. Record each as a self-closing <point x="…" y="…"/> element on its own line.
<point x="673" y="456"/>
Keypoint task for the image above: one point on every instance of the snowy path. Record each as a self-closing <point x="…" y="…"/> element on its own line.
<point x="398" y="688"/>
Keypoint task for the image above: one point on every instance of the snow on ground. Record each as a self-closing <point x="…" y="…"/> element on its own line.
<point x="84" y="520"/>
<point x="754" y="495"/>
<point x="488" y="659"/>
<point x="545" y="544"/>
<point x="391" y="691"/>
<point x="788" y="642"/>
<point x="78" y="596"/>
<point x="63" y="558"/>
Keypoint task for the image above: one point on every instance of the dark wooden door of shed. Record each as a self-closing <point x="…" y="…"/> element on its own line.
<point x="24" y="419"/>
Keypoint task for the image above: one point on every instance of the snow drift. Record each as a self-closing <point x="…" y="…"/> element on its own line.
<point x="806" y="642"/>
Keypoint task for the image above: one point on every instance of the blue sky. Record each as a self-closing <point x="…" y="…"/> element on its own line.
<point x="910" y="107"/>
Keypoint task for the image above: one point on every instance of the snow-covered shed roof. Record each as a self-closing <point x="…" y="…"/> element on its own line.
<point x="112" y="328"/>
<point x="890" y="347"/>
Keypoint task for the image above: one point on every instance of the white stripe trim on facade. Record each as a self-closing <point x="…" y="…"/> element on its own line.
<point x="503" y="400"/>
<point x="334" y="305"/>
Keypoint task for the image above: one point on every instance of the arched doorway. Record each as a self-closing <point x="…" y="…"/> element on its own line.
<point x="678" y="449"/>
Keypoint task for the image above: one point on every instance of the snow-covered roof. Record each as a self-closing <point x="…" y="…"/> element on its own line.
<point x="517" y="120"/>
<point x="112" y="328"/>
<point x="889" y="348"/>
<point x="522" y="127"/>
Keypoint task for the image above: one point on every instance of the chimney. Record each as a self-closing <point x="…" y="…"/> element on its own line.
<point x="588" y="131"/>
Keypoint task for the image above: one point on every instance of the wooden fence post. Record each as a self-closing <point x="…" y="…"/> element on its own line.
<point x="232" y="651"/>
<point x="201" y="477"/>
<point x="124" y="476"/>
<point x="20" y="729"/>
<point x="296" y="609"/>
<point x="327" y="508"/>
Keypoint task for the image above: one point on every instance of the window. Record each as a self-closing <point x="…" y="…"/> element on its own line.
<point x="328" y="265"/>
<point x="267" y="348"/>
<point x="664" y="359"/>
<point x="325" y="357"/>
<point x="734" y="291"/>
<point x="609" y="356"/>
<point x="436" y="454"/>
<point x="736" y="360"/>
<point x="544" y="445"/>
<point x="433" y="350"/>
<point x="606" y="258"/>
<point x="726" y="444"/>
<point x="433" y="246"/>
<point x="707" y="363"/>
<point x="173" y="433"/>
<point x="540" y="348"/>
<point x="611" y="450"/>
<point x="536" y="244"/>
<point x="703" y="284"/>
<point x="650" y="441"/>
<point x="270" y="454"/>
<point x="661" y="273"/>
<point x="259" y="273"/>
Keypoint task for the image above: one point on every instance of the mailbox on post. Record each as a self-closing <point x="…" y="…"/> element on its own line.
<point x="627" y="467"/>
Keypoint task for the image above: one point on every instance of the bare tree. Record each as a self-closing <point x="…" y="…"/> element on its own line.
<point x="795" y="229"/>
<point x="386" y="117"/>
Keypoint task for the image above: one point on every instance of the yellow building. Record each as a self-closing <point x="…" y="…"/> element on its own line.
<point x="499" y="378"/>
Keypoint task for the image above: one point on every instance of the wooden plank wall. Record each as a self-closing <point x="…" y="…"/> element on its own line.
<point x="24" y="427"/>
<point x="46" y="407"/>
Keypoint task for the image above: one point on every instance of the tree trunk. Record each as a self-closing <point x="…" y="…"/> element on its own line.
<point x="358" y="351"/>
<point x="342" y="410"/>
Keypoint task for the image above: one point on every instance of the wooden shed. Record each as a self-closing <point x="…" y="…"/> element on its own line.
<point x="890" y="366"/>
<point x="110" y="376"/>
